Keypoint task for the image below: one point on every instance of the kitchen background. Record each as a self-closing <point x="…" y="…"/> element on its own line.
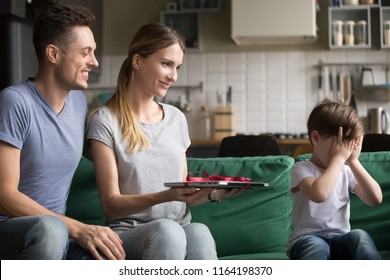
<point x="274" y="85"/>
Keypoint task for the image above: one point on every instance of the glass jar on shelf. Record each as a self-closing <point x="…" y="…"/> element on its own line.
<point x="349" y="36"/>
<point x="361" y="32"/>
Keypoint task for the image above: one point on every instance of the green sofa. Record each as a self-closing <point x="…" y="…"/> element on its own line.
<point x="256" y="224"/>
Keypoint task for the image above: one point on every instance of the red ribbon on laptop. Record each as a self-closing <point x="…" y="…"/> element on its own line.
<point x="216" y="178"/>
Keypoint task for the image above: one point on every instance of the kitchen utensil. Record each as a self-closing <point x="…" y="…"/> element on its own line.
<point x="367" y="76"/>
<point x="325" y="79"/>
<point x="338" y="83"/>
<point x="342" y="85"/>
<point x="331" y="87"/>
<point x="347" y="88"/>
<point x="353" y="98"/>
<point x="319" y="84"/>
<point x="377" y="120"/>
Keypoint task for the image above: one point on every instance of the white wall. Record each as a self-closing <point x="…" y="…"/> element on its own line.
<point x="272" y="91"/>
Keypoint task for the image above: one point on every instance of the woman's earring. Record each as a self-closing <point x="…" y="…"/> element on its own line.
<point x="135" y="66"/>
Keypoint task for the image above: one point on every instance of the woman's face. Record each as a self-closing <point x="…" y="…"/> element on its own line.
<point x="156" y="73"/>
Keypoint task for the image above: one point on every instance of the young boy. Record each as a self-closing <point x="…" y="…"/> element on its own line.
<point x="320" y="189"/>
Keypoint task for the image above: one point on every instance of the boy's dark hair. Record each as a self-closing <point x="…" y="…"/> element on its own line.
<point x="54" y="26"/>
<point x="327" y="116"/>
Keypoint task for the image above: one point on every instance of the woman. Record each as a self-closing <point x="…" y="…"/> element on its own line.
<point x="138" y="144"/>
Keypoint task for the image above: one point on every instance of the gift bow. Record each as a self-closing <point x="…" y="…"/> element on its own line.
<point x="217" y="178"/>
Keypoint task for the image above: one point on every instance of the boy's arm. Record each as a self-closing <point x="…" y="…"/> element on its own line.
<point x="318" y="190"/>
<point x="367" y="188"/>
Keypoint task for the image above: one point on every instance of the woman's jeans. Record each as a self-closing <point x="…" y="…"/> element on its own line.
<point x="161" y="239"/>
<point x="354" y="245"/>
<point x="33" y="238"/>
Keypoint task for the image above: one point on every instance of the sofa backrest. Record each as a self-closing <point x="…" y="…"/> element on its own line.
<point x="83" y="202"/>
<point x="374" y="220"/>
<point x="258" y="221"/>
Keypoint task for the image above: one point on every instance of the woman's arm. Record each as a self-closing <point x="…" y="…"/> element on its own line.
<point x="116" y="205"/>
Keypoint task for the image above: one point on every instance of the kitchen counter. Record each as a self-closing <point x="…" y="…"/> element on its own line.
<point x="209" y="147"/>
<point x="293" y="141"/>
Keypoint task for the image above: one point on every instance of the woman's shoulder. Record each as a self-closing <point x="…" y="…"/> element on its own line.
<point x="100" y="114"/>
<point x="172" y="110"/>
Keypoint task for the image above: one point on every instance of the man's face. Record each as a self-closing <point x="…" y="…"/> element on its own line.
<point x="77" y="60"/>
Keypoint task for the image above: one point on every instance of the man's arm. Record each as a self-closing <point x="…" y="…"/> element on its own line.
<point x="15" y="204"/>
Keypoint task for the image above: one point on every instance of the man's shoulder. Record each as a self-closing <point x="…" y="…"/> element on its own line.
<point x="21" y="87"/>
<point x="15" y="94"/>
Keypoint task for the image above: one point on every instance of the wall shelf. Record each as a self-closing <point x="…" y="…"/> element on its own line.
<point x="374" y="15"/>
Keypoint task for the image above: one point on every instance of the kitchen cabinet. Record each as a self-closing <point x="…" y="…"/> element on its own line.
<point x="385" y="31"/>
<point x="187" y="23"/>
<point x="186" y="20"/>
<point x="374" y="15"/>
<point x="200" y="5"/>
<point x="273" y="22"/>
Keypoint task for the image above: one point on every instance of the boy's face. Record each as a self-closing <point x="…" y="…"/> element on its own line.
<point x="322" y="148"/>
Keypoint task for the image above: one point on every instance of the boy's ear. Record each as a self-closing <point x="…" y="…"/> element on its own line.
<point x="314" y="135"/>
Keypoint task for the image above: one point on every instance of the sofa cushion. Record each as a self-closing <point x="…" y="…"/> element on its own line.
<point x="375" y="220"/>
<point x="83" y="203"/>
<point x="256" y="222"/>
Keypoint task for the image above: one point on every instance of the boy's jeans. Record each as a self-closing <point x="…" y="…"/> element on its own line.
<point x="354" y="245"/>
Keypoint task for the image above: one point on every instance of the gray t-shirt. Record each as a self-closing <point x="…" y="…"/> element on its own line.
<point x="51" y="144"/>
<point x="146" y="171"/>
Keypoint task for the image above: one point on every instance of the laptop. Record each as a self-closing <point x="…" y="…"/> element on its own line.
<point x="215" y="184"/>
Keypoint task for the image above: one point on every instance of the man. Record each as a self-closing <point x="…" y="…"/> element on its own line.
<point x="41" y="140"/>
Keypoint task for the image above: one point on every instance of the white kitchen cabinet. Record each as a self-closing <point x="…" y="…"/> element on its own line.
<point x="257" y="22"/>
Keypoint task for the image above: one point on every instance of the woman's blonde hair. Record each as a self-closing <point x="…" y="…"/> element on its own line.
<point x="149" y="39"/>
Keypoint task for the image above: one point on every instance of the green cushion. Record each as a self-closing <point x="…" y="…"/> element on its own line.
<point x="258" y="256"/>
<point x="83" y="203"/>
<point x="258" y="221"/>
<point x="374" y="220"/>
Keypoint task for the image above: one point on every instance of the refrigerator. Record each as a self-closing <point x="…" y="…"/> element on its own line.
<point x="17" y="54"/>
